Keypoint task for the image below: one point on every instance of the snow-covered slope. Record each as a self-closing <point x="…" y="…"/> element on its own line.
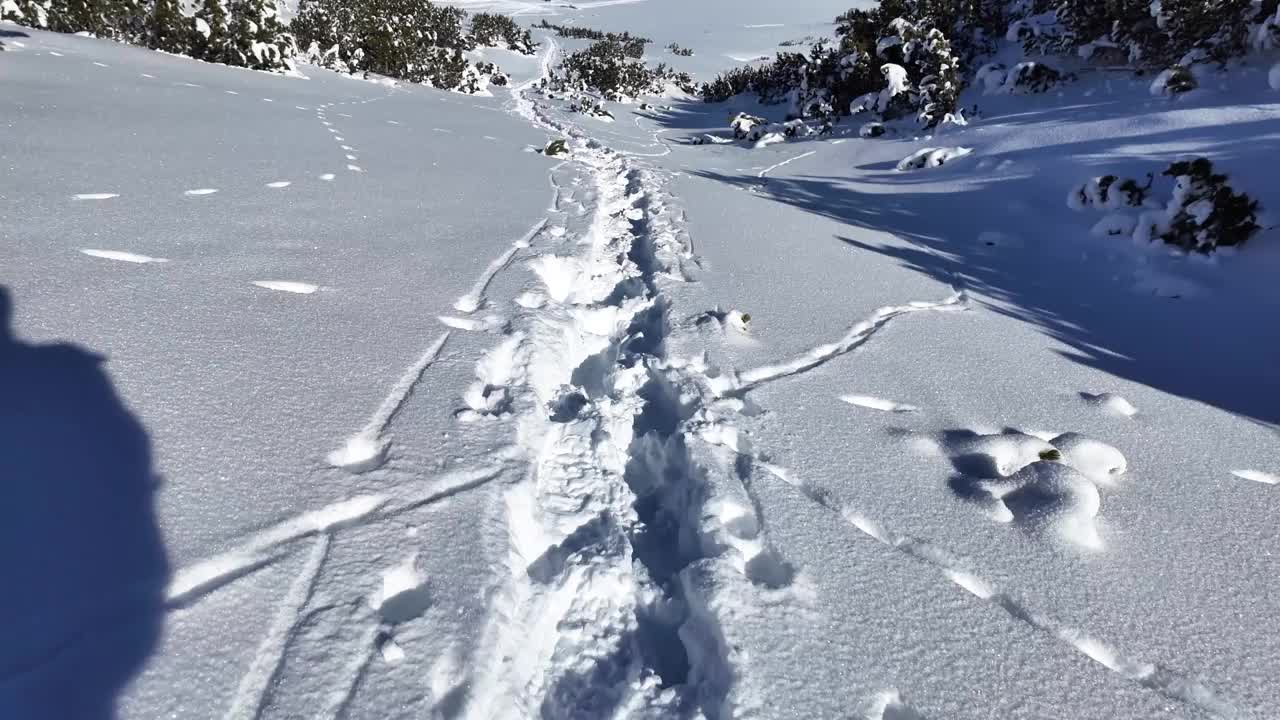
<point x="443" y="427"/>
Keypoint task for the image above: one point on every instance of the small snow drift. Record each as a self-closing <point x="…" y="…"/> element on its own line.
<point x="1111" y="403"/>
<point x="875" y="403"/>
<point x="931" y="158"/>
<point x="122" y="256"/>
<point x="1048" y="496"/>
<point x="1265" y="478"/>
<point x="1095" y="459"/>
<point x="291" y="286"/>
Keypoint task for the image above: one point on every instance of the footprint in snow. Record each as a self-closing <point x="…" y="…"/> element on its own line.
<point x="231" y="92"/>
<point x="55" y="53"/>
<point x="96" y="196"/>
<point x="352" y="157"/>
<point x="328" y="177"/>
<point x="122" y="256"/>
<point x="200" y="191"/>
<point x="101" y="64"/>
<point x="149" y="77"/>
<point x="289" y="286"/>
<point x="279" y="184"/>
<point x="889" y="705"/>
<point x="404" y="594"/>
<point x="355" y="168"/>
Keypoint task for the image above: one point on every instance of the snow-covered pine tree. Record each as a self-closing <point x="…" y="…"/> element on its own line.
<point x="255" y="36"/>
<point x="32" y="13"/>
<point x="167" y="29"/>
<point x="209" y="39"/>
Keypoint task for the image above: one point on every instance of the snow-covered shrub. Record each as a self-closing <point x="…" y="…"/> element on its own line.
<point x="991" y="77"/>
<point x="237" y="32"/>
<point x="414" y="40"/>
<point x="796" y="128"/>
<point x="681" y="51"/>
<point x="899" y="59"/>
<point x="932" y="158"/>
<point x="492" y="30"/>
<point x="1149" y="33"/>
<point x="1109" y="192"/>
<point x="606" y="69"/>
<point x="743" y="124"/>
<point x="589" y="106"/>
<point x="1173" y="81"/>
<point x="556" y="147"/>
<point x="632" y="45"/>
<point x="1031" y="77"/>
<point x="1204" y="212"/>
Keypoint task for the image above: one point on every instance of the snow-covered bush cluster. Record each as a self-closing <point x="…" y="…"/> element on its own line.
<point x="247" y="33"/>
<point x="413" y="40"/>
<point x="1174" y="36"/>
<point x="605" y="69"/>
<point x="900" y="59"/>
<point x="931" y="158"/>
<point x="1202" y="214"/>
<point x="760" y="132"/>
<point x="409" y="39"/>
<point x="1024" y="78"/>
<point x="491" y="30"/>
<point x="632" y="45"/>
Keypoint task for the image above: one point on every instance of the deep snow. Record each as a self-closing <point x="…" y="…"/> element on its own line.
<point x="653" y="430"/>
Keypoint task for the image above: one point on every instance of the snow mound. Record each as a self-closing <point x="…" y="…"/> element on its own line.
<point x="931" y="158"/>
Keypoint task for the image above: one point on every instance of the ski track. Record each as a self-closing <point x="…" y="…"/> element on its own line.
<point x="1152" y="676"/>
<point x="367" y="448"/>
<point x="472" y="300"/>
<point x="195" y="581"/>
<point x="255" y="685"/>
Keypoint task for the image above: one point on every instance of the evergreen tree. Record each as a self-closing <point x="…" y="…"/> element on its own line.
<point x="209" y="38"/>
<point x="167" y="29"/>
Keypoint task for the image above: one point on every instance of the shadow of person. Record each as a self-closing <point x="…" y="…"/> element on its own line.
<point x="82" y="563"/>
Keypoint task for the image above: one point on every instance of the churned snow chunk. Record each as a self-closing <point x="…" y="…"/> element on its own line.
<point x="122" y="256"/>
<point x="875" y="403"/>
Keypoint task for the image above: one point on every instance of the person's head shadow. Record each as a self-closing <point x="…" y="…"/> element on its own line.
<point x="81" y="556"/>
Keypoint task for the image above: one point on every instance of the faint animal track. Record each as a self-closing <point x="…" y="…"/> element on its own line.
<point x="200" y="191"/>
<point x="355" y="168"/>
<point x="122" y="256"/>
<point x="279" y="184"/>
<point x="96" y="196"/>
<point x="328" y="177"/>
